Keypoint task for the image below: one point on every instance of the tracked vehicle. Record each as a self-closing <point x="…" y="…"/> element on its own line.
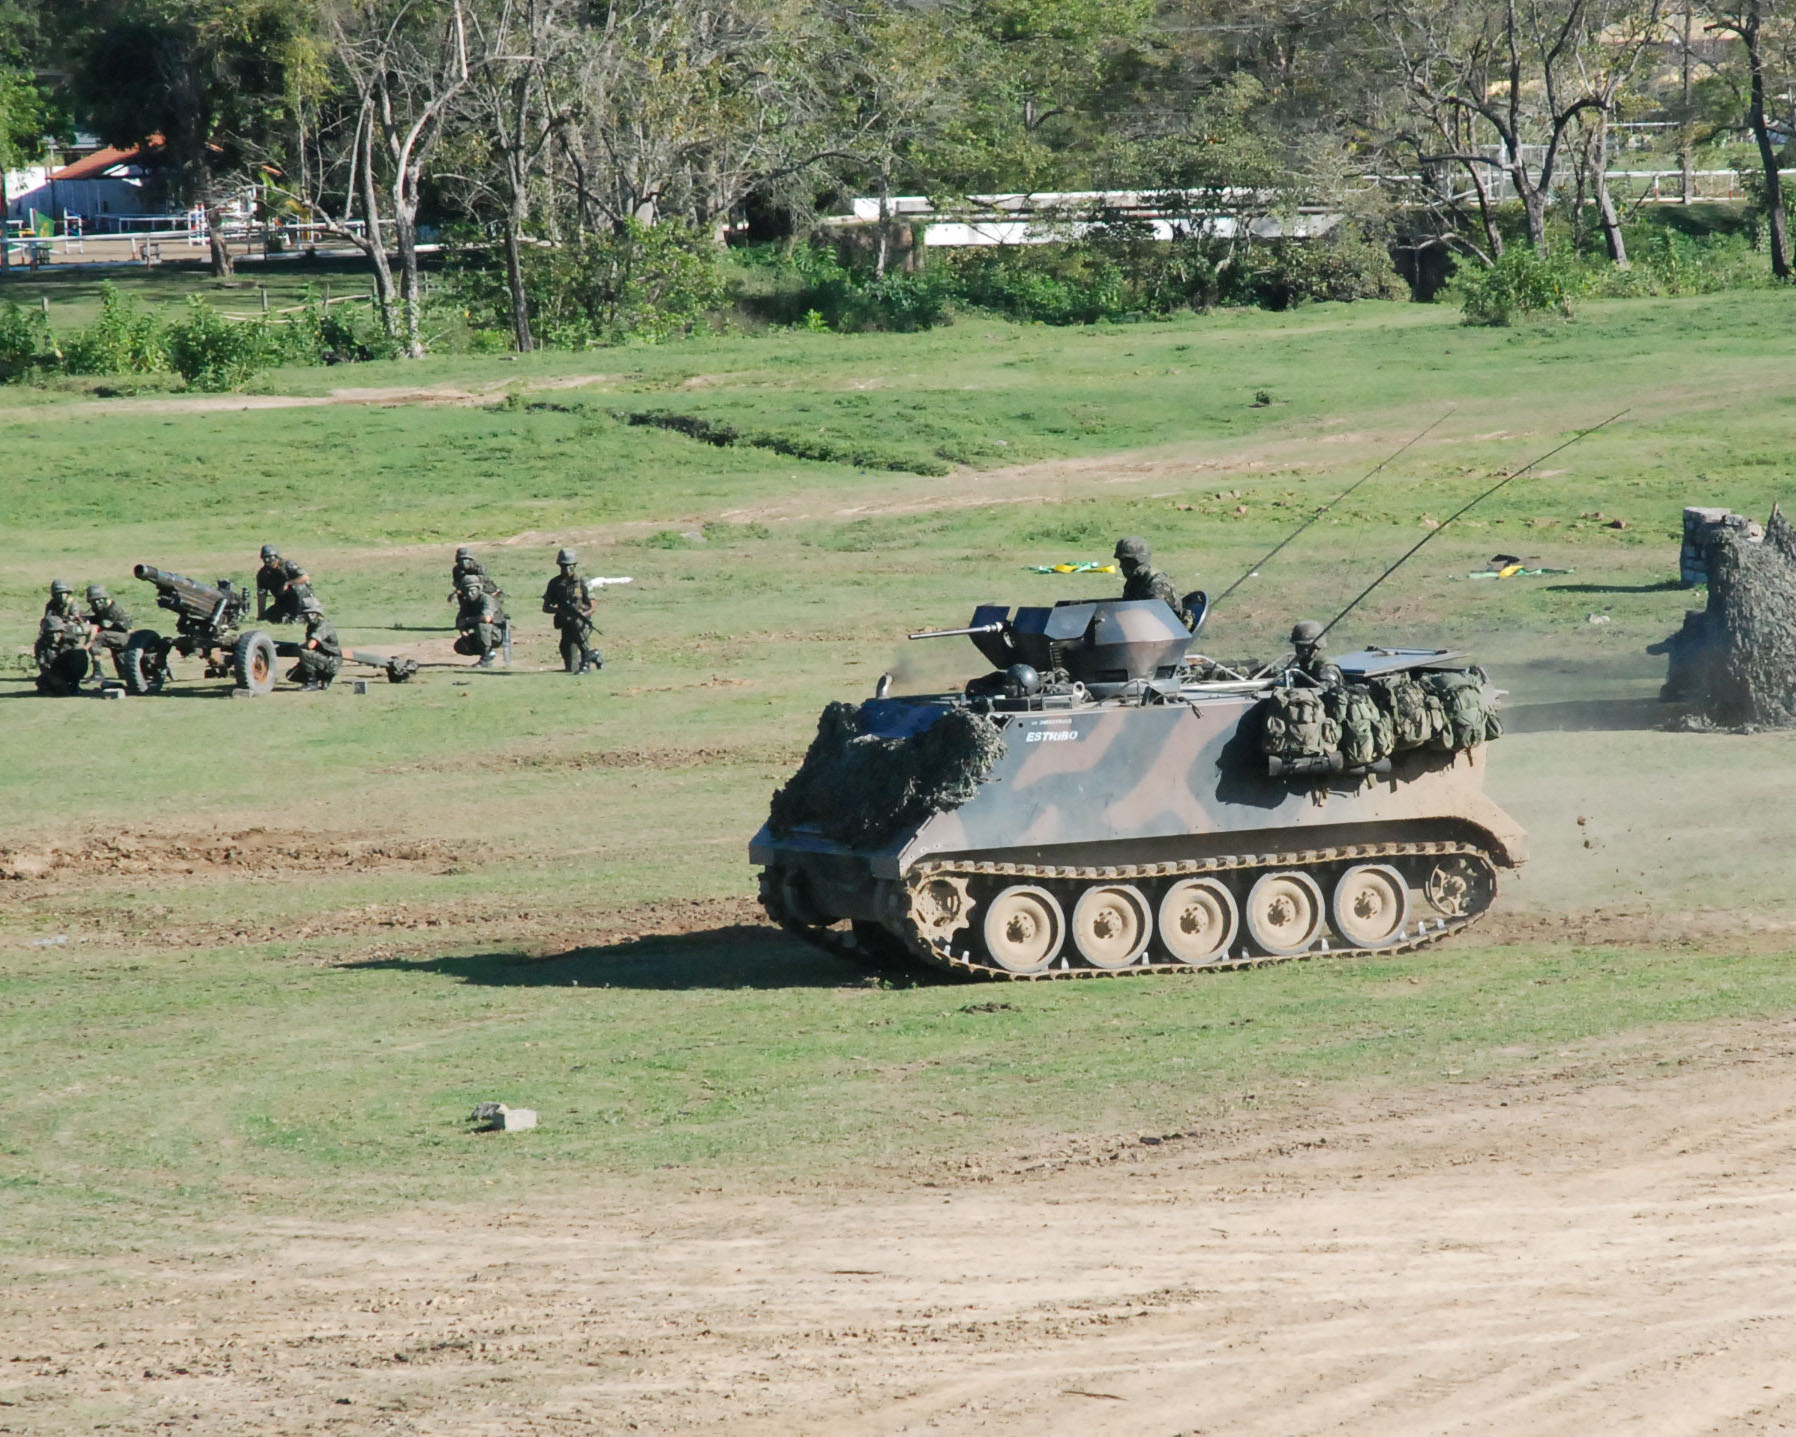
<point x="1101" y="803"/>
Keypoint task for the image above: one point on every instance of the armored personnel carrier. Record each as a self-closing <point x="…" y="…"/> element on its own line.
<point x="1102" y="803"/>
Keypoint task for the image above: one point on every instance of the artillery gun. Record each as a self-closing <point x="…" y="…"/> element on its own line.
<point x="209" y="622"/>
<point x="1101" y="803"/>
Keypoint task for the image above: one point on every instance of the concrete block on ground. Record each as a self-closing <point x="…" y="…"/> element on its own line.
<point x="359" y="686"/>
<point x="498" y="1118"/>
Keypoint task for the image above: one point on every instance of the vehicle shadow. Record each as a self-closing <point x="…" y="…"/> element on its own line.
<point x="739" y="955"/>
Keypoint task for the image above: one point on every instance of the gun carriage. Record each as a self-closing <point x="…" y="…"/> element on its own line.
<point x="210" y="623"/>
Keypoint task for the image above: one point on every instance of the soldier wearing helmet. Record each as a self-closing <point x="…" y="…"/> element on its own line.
<point x="1307" y="657"/>
<point x="480" y="620"/>
<point x="466" y="562"/>
<point x="111" y="624"/>
<point x="61" y="647"/>
<point x="281" y="586"/>
<point x="1141" y="580"/>
<point x="570" y="601"/>
<point x="320" y="652"/>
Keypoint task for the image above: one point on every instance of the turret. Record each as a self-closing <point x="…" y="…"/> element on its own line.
<point x="1114" y="647"/>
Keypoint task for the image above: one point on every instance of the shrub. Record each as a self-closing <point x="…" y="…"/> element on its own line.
<point x="26" y="347"/>
<point x="212" y="352"/>
<point x="1522" y="282"/>
<point x="123" y="340"/>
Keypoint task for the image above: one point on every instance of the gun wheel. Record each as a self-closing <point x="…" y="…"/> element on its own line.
<point x="1111" y="925"/>
<point x="1023" y="929"/>
<point x="145" y="662"/>
<point x="253" y="662"/>
<point x="1284" y="913"/>
<point x="1370" y="906"/>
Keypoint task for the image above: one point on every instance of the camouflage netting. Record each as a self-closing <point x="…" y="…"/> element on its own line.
<point x="1750" y="628"/>
<point x="860" y="789"/>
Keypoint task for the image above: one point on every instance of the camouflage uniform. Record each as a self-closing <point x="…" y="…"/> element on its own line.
<point x="114" y="624"/>
<point x="567" y="599"/>
<point x="61" y="647"/>
<point x="468" y="564"/>
<point x="1142" y="581"/>
<point x="287" y="585"/>
<point x="320" y="656"/>
<point x="482" y="625"/>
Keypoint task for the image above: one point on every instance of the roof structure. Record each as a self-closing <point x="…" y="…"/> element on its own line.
<point x="92" y="167"/>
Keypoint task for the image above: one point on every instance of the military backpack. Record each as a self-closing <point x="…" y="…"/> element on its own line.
<point x="1296" y="724"/>
<point x="1367" y="734"/>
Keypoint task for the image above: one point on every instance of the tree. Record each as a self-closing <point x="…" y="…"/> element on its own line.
<point x="208" y="77"/>
<point x="1747" y="21"/>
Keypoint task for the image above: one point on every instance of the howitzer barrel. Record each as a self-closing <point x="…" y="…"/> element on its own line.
<point x="177" y="591"/>
<point x="997" y="628"/>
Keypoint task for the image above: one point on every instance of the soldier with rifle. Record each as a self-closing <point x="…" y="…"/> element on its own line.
<point x="569" y="599"/>
<point x="282" y="586"/>
<point x="110" y="623"/>
<point x="321" y="651"/>
<point x="480" y="620"/>
<point x="1142" y="581"/>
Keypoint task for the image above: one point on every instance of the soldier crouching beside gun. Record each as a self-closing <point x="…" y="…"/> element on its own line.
<point x="111" y="623"/>
<point x="480" y="620"/>
<point x="61" y="647"/>
<point x="282" y="587"/>
<point x="320" y="653"/>
<point x="570" y="601"/>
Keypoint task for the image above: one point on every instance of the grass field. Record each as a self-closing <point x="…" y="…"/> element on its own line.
<point x="260" y="958"/>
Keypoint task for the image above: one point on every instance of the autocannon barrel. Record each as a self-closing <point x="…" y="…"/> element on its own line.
<point x="996" y="628"/>
<point x="178" y="592"/>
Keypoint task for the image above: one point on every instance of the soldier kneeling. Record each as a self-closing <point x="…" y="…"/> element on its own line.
<point x="480" y="620"/>
<point x="320" y="653"/>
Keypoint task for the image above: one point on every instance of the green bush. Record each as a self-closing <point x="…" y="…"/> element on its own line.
<point x="1522" y="282"/>
<point x="26" y="347"/>
<point x="645" y="282"/>
<point x="212" y="352"/>
<point x="123" y="340"/>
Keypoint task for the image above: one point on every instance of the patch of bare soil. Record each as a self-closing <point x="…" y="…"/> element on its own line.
<point x="253" y="850"/>
<point x="1603" y="1247"/>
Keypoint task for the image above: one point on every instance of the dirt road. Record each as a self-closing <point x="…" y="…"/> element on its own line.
<point x="1604" y="1248"/>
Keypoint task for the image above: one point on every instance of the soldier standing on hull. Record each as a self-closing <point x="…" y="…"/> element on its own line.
<point x="1308" y="660"/>
<point x="113" y="624"/>
<point x="321" y="653"/>
<point x="282" y="587"/>
<point x="1141" y="580"/>
<point x="480" y="620"/>
<point x="568" y="599"/>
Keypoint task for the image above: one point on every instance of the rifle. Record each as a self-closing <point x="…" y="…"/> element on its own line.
<point x="1254" y="568"/>
<point x="1464" y="508"/>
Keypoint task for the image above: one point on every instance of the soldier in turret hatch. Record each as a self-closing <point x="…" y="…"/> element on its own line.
<point x="113" y="624"/>
<point x="1141" y="580"/>
<point x="1307" y="657"/>
<point x="480" y="620"/>
<point x="321" y="651"/>
<point x="282" y="586"/>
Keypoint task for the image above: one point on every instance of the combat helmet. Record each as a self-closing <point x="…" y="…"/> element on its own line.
<point x="97" y="591"/>
<point x="1133" y="550"/>
<point x="61" y="586"/>
<point x="464" y="552"/>
<point x="567" y="558"/>
<point x="1306" y="633"/>
<point x="308" y="604"/>
<point x="470" y="583"/>
<point x="270" y="553"/>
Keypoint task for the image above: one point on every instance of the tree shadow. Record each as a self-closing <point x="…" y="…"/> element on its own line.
<point x="740" y="955"/>
<point x="1662" y="586"/>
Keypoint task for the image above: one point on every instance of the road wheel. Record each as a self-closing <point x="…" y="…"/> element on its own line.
<point x="145" y="662"/>
<point x="1023" y="929"/>
<point x="1284" y="913"/>
<point x="1458" y="887"/>
<point x="253" y="662"/>
<point x="1370" y="906"/>
<point x="1198" y="919"/>
<point x="1111" y="925"/>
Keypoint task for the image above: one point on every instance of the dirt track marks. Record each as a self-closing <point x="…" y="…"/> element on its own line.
<point x="1563" y="1256"/>
<point x="252" y="850"/>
